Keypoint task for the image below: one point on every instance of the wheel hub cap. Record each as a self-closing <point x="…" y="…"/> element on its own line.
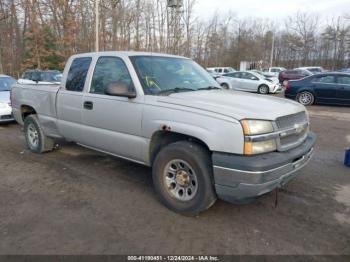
<point x="180" y="180"/>
<point x="33" y="136"/>
<point x="305" y="98"/>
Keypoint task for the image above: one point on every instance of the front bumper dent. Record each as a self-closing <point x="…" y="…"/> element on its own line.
<point x="243" y="177"/>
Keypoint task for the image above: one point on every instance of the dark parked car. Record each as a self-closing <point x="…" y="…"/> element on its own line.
<point x="294" y="74"/>
<point x="326" y="88"/>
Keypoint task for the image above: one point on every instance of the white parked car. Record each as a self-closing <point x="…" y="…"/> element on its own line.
<point x="312" y="69"/>
<point x="274" y="71"/>
<point x="220" y="70"/>
<point x="250" y="82"/>
<point x="266" y="75"/>
<point x="6" y="83"/>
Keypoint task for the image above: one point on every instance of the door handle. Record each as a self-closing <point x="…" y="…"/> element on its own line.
<point x="88" y="105"/>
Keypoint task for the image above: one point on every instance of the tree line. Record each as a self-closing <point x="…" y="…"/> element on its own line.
<point x="44" y="33"/>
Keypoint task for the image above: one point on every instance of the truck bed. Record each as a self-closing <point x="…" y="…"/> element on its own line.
<point x="39" y="96"/>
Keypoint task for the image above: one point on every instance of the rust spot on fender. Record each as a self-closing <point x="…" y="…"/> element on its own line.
<point x="166" y="128"/>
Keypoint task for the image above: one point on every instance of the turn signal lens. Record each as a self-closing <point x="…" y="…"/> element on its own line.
<point x="253" y="148"/>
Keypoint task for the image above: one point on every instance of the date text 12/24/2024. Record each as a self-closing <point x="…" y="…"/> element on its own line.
<point x="173" y="258"/>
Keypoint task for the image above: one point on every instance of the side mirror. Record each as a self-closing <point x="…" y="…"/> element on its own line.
<point x="119" y="89"/>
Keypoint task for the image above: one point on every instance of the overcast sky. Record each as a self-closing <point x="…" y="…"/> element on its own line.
<point x="273" y="9"/>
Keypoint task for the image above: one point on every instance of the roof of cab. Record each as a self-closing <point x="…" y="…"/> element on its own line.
<point x="125" y="54"/>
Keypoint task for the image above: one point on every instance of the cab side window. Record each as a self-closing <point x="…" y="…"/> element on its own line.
<point x="77" y="74"/>
<point x="109" y="70"/>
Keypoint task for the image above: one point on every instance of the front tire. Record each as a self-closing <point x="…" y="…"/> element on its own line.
<point x="263" y="89"/>
<point x="225" y="86"/>
<point x="36" y="140"/>
<point x="305" y="98"/>
<point x="183" y="178"/>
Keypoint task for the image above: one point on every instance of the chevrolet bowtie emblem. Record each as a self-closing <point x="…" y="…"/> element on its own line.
<point x="298" y="128"/>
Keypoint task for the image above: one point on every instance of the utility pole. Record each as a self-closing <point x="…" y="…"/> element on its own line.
<point x="1" y="69"/>
<point x="174" y="11"/>
<point x="272" y="48"/>
<point x="97" y="21"/>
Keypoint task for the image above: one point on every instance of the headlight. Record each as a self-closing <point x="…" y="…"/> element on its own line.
<point x="252" y="148"/>
<point x="256" y="127"/>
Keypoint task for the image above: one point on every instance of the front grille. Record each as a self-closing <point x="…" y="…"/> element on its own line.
<point x="294" y="138"/>
<point x="290" y="120"/>
<point x="297" y="135"/>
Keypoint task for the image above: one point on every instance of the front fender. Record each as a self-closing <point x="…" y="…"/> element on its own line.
<point x="218" y="135"/>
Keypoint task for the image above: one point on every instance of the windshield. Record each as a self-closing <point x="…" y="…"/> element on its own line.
<point x="161" y="74"/>
<point x="6" y="83"/>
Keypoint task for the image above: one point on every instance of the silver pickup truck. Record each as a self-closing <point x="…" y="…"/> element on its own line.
<point x="168" y="113"/>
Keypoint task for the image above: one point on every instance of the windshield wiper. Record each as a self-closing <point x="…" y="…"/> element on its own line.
<point x="209" y="88"/>
<point x="175" y="90"/>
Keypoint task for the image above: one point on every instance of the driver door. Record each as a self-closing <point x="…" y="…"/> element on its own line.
<point x="112" y="123"/>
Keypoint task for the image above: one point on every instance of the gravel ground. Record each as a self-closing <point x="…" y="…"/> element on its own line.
<point x="77" y="201"/>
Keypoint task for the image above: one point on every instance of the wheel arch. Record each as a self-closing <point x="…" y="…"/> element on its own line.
<point x="226" y="83"/>
<point x="305" y="89"/>
<point x="264" y="84"/>
<point x="162" y="138"/>
<point x="27" y="110"/>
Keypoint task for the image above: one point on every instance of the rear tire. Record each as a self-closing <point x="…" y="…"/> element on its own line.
<point x="183" y="178"/>
<point x="305" y="98"/>
<point x="263" y="89"/>
<point x="36" y="140"/>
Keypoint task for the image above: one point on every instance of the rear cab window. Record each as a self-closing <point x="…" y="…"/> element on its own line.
<point x="77" y="74"/>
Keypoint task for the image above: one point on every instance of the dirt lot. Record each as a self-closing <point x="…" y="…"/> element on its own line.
<point x="76" y="201"/>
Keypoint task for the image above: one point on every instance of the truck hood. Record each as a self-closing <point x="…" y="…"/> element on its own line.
<point x="4" y="96"/>
<point x="239" y="105"/>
